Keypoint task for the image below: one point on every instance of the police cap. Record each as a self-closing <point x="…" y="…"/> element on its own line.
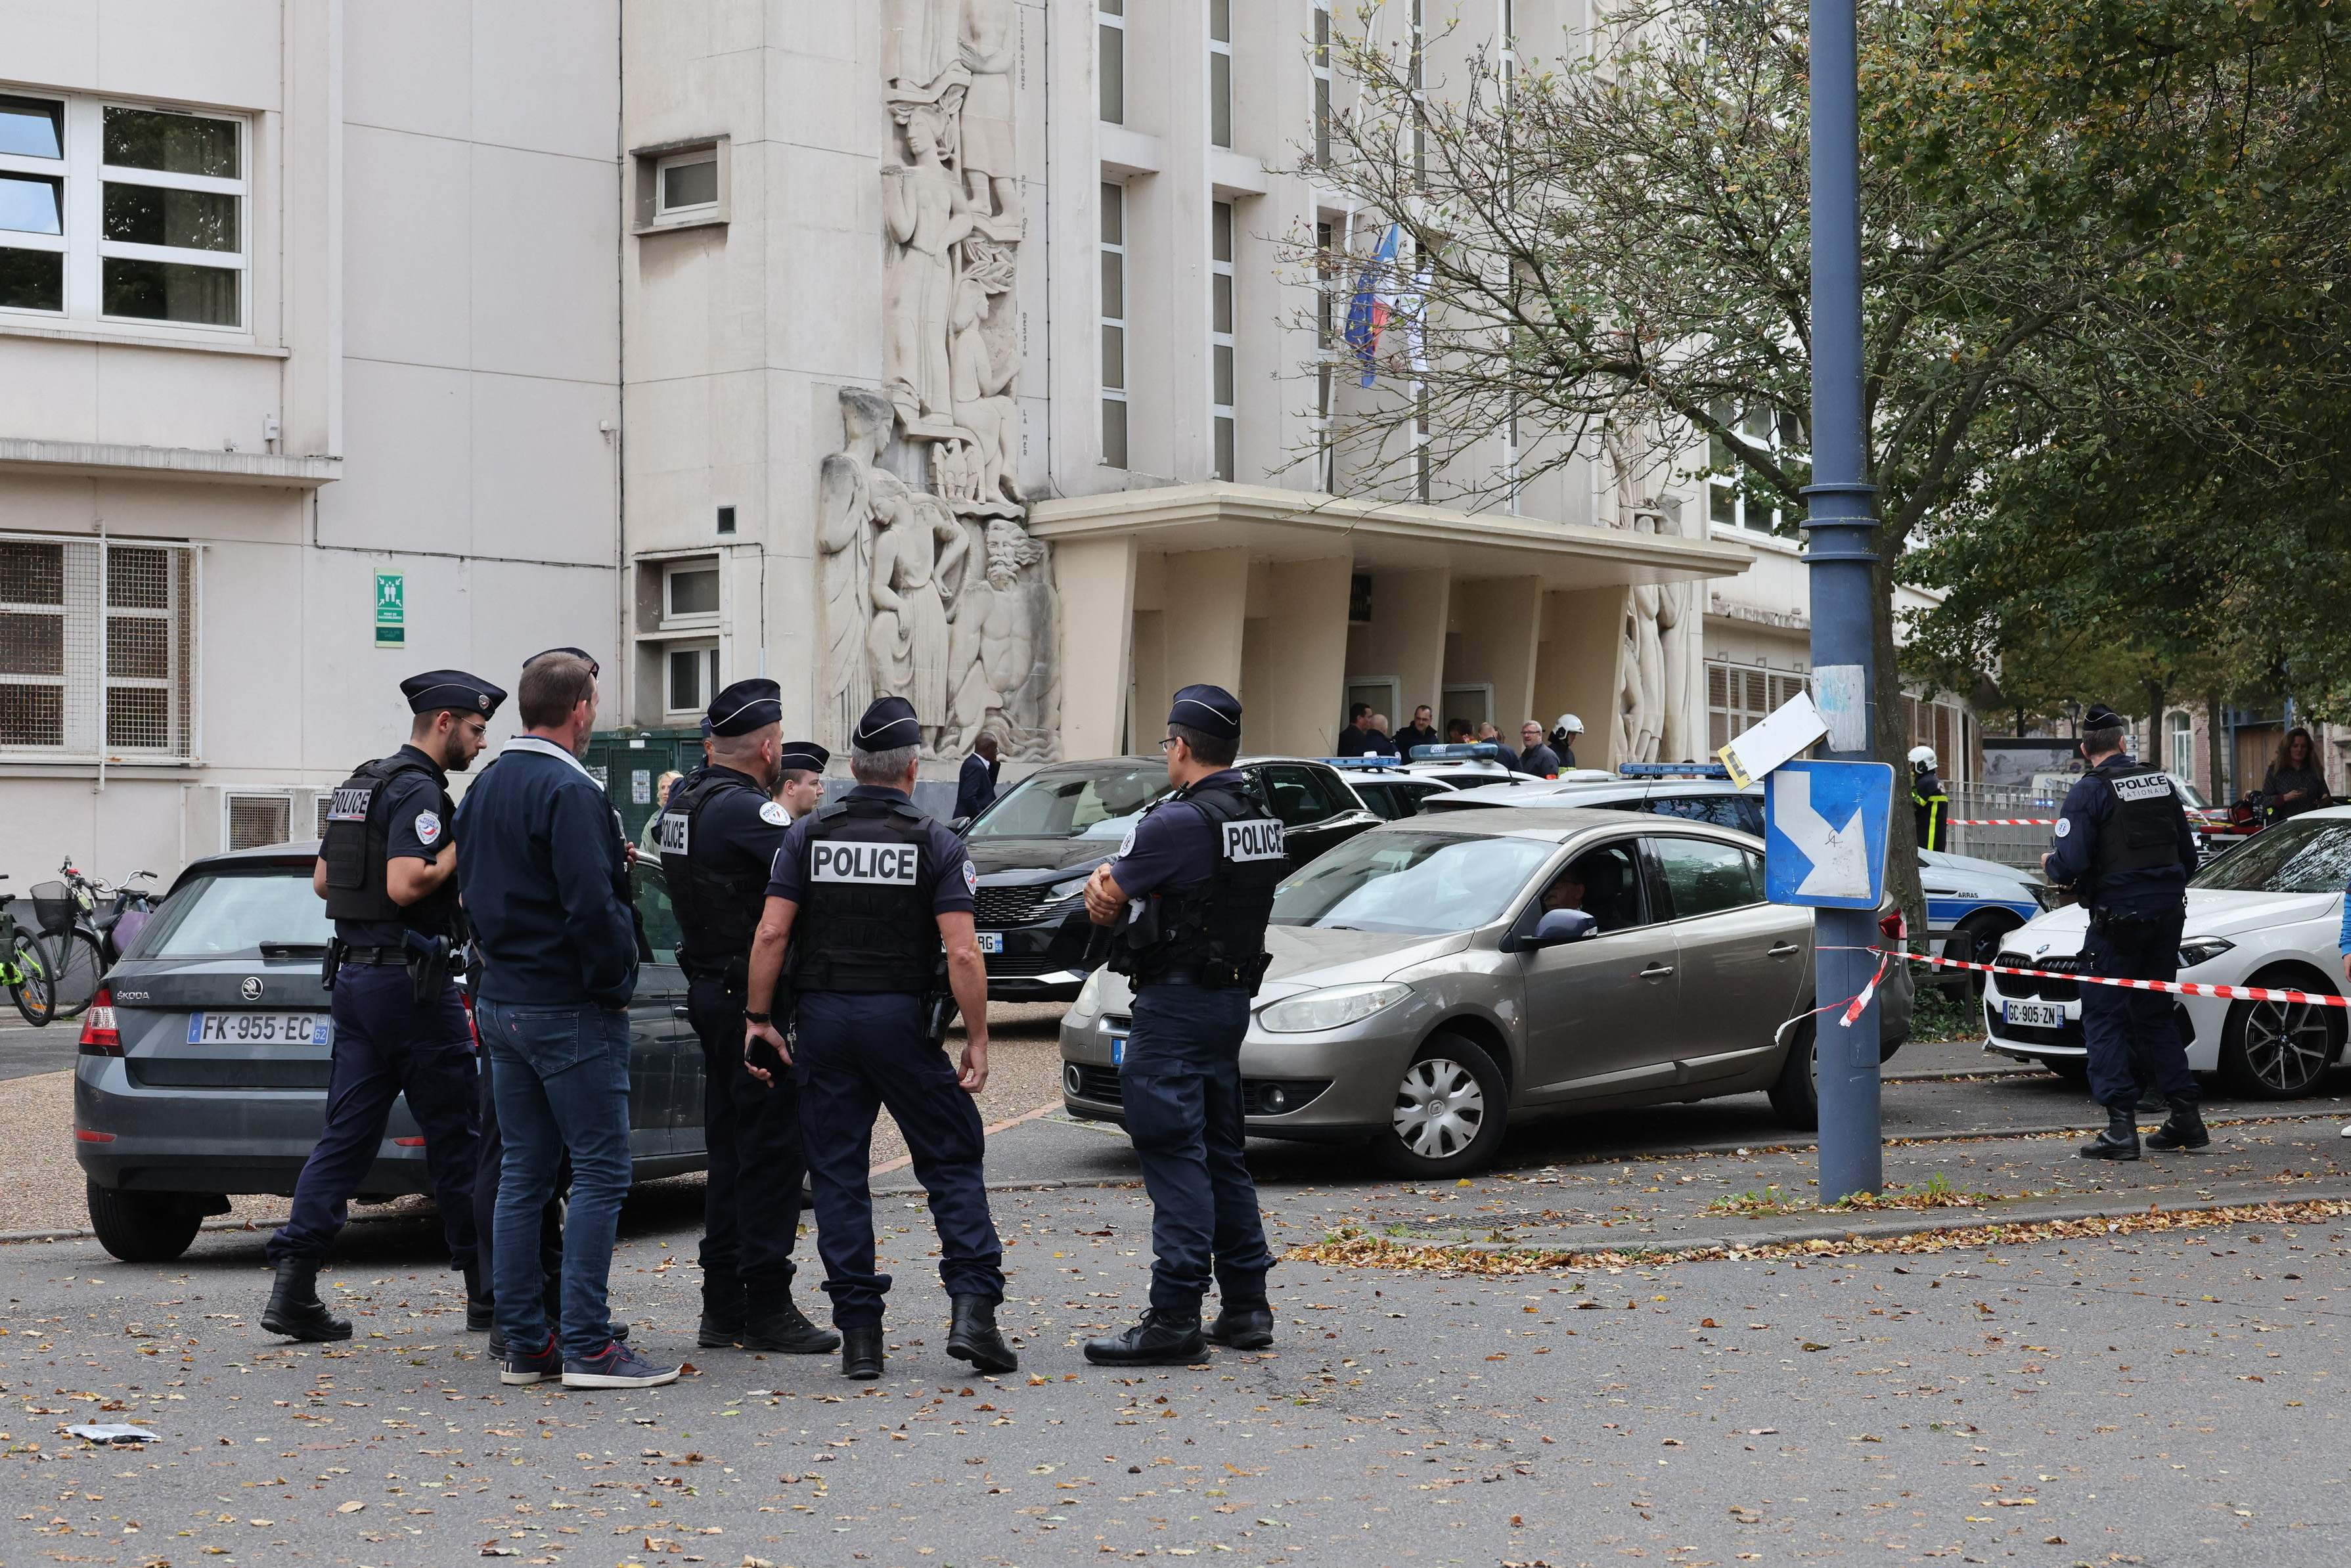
<point x="745" y="706"/>
<point x="2101" y="716"/>
<point x="437" y="689"/>
<point x="1211" y="710"/>
<point x="888" y="725"/>
<point x="803" y="756"/>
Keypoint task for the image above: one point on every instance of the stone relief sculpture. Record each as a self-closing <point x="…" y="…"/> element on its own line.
<point x="932" y="589"/>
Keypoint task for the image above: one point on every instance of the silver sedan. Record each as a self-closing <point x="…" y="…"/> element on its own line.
<point x="1435" y="978"/>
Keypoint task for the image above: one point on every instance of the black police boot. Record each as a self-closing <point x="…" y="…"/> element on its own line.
<point x="973" y="1336"/>
<point x="2118" y="1142"/>
<point x="481" y="1307"/>
<point x="294" y="1310"/>
<point x="782" y="1329"/>
<point x="1241" y="1326"/>
<point x="2185" y="1130"/>
<point x="860" y="1352"/>
<point x="1165" y="1337"/>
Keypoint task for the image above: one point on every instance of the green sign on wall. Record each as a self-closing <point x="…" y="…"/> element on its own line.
<point x="391" y="609"/>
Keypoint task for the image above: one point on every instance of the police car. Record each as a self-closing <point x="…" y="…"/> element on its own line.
<point x="2269" y="913"/>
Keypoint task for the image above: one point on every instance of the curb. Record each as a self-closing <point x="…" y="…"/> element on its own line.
<point x="1880" y="1227"/>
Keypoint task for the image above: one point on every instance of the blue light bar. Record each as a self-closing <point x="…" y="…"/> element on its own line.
<point x="1376" y="760"/>
<point x="1476" y="751"/>
<point x="1674" y="770"/>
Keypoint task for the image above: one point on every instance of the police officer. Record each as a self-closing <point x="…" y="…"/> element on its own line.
<point x="1193" y="886"/>
<point x="1930" y="803"/>
<point x="718" y="835"/>
<point x="2124" y="846"/>
<point x="387" y="869"/>
<point x="866" y="890"/>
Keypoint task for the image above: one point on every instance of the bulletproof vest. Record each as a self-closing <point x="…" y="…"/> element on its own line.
<point x="357" y="838"/>
<point x="1212" y="929"/>
<point x="2143" y="834"/>
<point x="865" y="922"/>
<point x="717" y="912"/>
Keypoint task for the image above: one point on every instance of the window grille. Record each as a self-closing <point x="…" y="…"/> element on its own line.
<point x="97" y="650"/>
<point x="258" y="819"/>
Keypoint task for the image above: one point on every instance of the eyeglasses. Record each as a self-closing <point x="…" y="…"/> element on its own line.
<point x="1166" y="743"/>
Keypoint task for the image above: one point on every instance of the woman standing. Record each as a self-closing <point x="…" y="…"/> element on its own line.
<point x="2294" y="780"/>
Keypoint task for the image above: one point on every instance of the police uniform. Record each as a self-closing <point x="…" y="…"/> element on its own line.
<point x="869" y="876"/>
<point x="1199" y="869"/>
<point x="2124" y="845"/>
<point x="399" y="1024"/>
<point x="718" y="835"/>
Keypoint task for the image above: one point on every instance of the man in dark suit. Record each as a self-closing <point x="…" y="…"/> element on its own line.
<point x="975" y="785"/>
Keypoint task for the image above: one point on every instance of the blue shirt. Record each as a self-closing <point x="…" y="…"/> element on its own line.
<point x="2089" y="806"/>
<point x="1172" y="845"/>
<point x="546" y="882"/>
<point x="945" y="868"/>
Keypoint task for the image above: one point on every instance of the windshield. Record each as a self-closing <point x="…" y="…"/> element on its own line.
<point x="237" y="911"/>
<point x="2294" y="857"/>
<point x="1419" y="884"/>
<point x="1060" y="804"/>
<point x="2193" y="796"/>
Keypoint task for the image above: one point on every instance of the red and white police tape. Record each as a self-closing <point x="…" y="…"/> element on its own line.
<point x="2000" y="821"/>
<point x="2175" y="988"/>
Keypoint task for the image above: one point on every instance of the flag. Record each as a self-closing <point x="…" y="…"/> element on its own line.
<point x="1368" y="317"/>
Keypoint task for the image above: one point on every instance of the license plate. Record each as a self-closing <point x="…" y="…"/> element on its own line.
<point x="991" y="941"/>
<point x="2034" y="1015"/>
<point x="260" y="1029"/>
<point x="1118" y="1051"/>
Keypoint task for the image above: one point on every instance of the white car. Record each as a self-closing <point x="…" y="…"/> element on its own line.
<point x="2269" y="913"/>
<point x="1972" y="903"/>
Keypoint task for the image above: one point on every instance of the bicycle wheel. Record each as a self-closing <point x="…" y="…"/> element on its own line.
<point x="75" y="966"/>
<point x="28" y="985"/>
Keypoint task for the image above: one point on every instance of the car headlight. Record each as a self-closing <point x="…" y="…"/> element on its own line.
<point x="2202" y="950"/>
<point x="1061" y="890"/>
<point x="1081" y="1011"/>
<point x="1334" y="1008"/>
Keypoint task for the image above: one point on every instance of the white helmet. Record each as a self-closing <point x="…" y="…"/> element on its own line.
<point x="1922" y="760"/>
<point x="1568" y="725"/>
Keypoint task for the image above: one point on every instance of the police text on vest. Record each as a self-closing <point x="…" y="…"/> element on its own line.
<point x="674" y="832"/>
<point x="349" y="805"/>
<point x="2145" y="786"/>
<point x="1253" y="841"/>
<point x="882" y="864"/>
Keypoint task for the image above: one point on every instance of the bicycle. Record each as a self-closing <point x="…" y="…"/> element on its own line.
<point x="79" y="940"/>
<point x="24" y="969"/>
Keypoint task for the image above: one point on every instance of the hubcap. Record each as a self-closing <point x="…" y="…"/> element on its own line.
<point x="1439" y="1108"/>
<point x="2288" y="1044"/>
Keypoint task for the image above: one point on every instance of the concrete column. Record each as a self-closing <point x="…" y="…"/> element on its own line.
<point x="1096" y="580"/>
<point x="1405" y="637"/>
<point x="1577" y="666"/>
<point x="1500" y="621"/>
<point x="1204" y="600"/>
<point x="1292" y="701"/>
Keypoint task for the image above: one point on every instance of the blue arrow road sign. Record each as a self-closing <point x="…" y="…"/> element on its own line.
<point x="1824" y="833"/>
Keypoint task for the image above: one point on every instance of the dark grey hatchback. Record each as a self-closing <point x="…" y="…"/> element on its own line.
<point x="204" y="1057"/>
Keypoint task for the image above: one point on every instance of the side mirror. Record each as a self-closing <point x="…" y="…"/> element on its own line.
<point x="1560" y="926"/>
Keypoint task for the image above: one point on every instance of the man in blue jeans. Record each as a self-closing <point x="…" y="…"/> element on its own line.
<point x="1190" y="892"/>
<point x="546" y="883"/>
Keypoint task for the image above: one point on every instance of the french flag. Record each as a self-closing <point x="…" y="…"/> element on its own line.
<point x="1375" y="303"/>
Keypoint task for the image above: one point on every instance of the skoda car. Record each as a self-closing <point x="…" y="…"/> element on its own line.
<point x="1035" y="845"/>
<point x="2268" y="912"/>
<point x="204" y="1056"/>
<point x="1435" y="979"/>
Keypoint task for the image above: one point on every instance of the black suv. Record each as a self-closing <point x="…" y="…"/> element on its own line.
<point x="1037" y="843"/>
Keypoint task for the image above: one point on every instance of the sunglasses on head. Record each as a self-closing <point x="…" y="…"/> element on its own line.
<point x="594" y="668"/>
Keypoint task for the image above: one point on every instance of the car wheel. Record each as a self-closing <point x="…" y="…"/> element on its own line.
<point x="1976" y="939"/>
<point x="2278" y="1050"/>
<point x="1796" y="1097"/>
<point x="142" y="1227"/>
<point x="1450" y="1108"/>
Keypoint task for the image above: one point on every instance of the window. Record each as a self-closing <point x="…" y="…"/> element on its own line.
<point x="1113" y="325"/>
<point x="690" y="592"/>
<point x="1606" y="883"/>
<point x="2180" y="745"/>
<point x="120" y="212"/>
<point x="1220" y="73"/>
<point x="1299" y="796"/>
<point x="1326" y="344"/>
<point x="1321" y="62"/>
<point x="252" y="821"/>
<point x="97" y="649"/>
<point x="1740" y="696"/>
<point x="650" y="892"/>
<point x="689" y="184"/>
<point x="1109" y="33"/>
<point x="1220" y="333"/>
<point x="1776" y="431"/>
<point x="693" y="677"/>
<point x="726" y="519"/>
<point x="1410" y="883"/>
<point x="1701" y="877"/>
<point x="1416" y="78"/>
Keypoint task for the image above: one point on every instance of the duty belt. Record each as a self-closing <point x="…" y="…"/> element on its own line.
<point x="387" y="956"/>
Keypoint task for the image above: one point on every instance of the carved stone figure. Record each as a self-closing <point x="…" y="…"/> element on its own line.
<point x="1002" y="646"/>
<point x="989" y="46"/>
<point x="924" y="210"/>
<point x="920" y="40"/>
<point x="982" y="385"/>
<point x="918" y="556"/>
<point x="1679" y="634"/>
<point x="851" y="488"/>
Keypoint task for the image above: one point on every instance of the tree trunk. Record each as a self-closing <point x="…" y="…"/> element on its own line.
<point x="1889" y="732"/>
<point x="2220" y="791"/>
<point x="2155" y="756"/>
